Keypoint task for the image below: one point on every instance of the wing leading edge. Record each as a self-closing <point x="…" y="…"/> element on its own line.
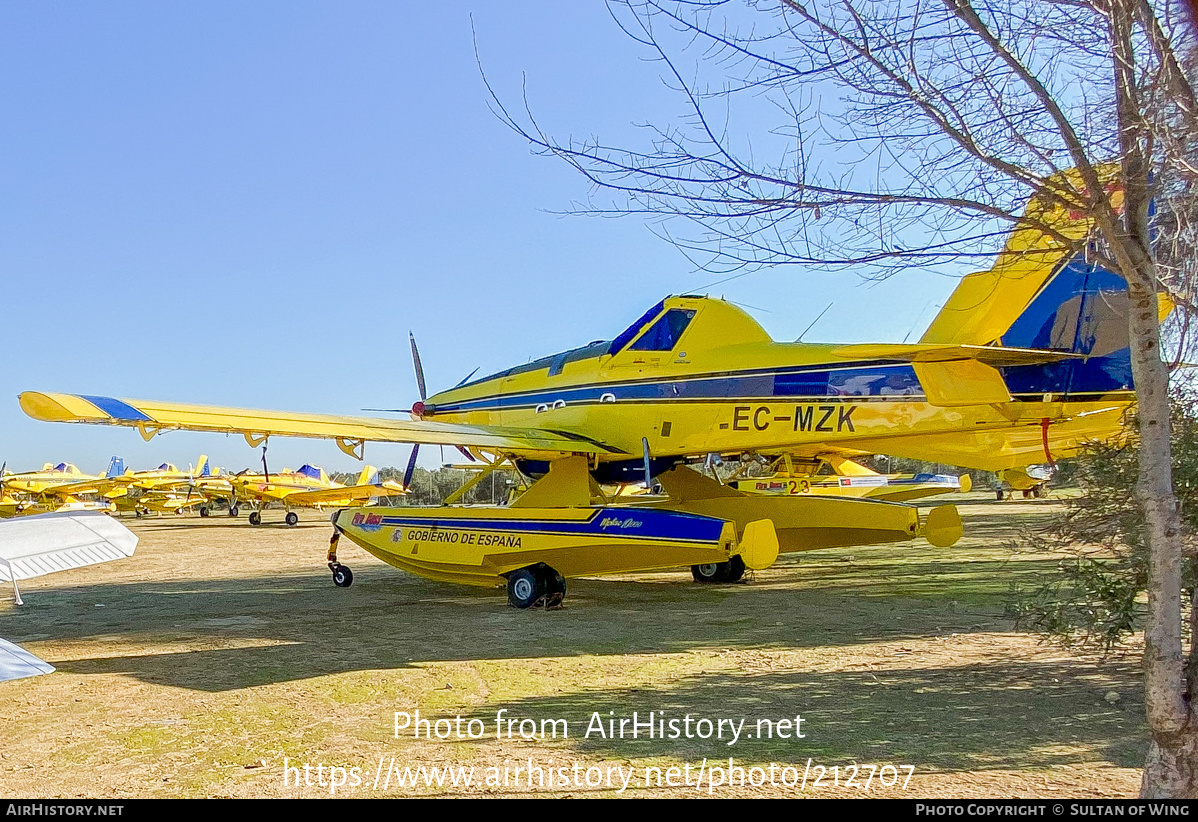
<point x="150" y="418"/>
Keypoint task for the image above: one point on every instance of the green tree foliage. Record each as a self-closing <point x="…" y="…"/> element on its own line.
<point x="1098" y="597"/>
<point x="434" y="487"/>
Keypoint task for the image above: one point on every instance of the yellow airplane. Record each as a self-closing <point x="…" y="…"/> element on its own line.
<point x="307" y="487"/>
<point x="836" y="475"/>
<point x="54" y="488"/>
<point x="165" y="489"/>
<point x="1026" y="362"/>
<point x="1031" y="481"/>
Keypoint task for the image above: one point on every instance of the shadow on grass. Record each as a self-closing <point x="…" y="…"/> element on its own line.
<point x="975" y="717"/>
<point x="262" y="630"/>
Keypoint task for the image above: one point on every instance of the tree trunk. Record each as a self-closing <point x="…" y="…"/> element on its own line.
<point x="1171" y="769"/>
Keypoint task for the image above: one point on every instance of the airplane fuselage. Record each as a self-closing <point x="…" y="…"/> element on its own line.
<point x="739" y="391"/>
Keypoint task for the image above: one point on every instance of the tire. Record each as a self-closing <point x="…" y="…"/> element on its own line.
<point x="342" y="576"/>
<point x="711" y="573"/>
<point x="998" y="494"/>
<point x="736" y="569"/>
<point x="553" y="584"/>
<point x="234" y="510"/>
<point x="524" y="588"/>
<point x="255" y="518"/>
<point x="292" y="518"/>
<point x="204" y="511"/>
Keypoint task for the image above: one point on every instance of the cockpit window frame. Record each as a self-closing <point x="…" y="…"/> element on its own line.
<point x="665" y="329"/>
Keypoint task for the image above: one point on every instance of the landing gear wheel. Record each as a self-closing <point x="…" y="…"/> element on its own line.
<point x="234" y="510"/>
<point x="255" y="518"/>
<point x="998" y="494"/>
<point x="712" y="572"/>
<point x="204" y="511"/>
<point x="553" y="584"/>
<point x="524" y="588"/>
<point x="342" y="576"/>
<point x="292" y="518"/>
<point x="736" y="569"/>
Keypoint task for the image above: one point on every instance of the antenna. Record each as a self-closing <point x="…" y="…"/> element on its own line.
<point x="813" y="322"/>
<point x="918" y="317"/>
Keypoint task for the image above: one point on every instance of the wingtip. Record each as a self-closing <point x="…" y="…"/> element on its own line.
<point x="45" y="407"/>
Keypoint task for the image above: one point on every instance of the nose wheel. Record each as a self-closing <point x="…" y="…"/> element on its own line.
<point x="342" y="576"/>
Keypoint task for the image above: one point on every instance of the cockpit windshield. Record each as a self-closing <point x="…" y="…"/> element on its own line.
<point x="665" y="333"/>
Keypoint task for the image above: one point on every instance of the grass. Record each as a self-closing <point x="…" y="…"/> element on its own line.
<point x="222" y="651"/>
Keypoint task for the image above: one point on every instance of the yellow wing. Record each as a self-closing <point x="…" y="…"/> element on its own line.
<point x="151" y="418"/>
<point x="349" y="492"/>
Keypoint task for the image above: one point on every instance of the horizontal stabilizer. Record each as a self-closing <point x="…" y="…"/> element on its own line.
<point x="32" y="546"/>
<point x="992" y="355"/>
<point x="17" y="663"/>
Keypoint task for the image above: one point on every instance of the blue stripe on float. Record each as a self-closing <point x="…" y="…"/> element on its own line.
<point x="116" y="409"/>
<point x="650" y="524"/>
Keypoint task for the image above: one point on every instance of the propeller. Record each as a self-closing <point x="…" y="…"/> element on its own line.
<point x="407" y="474"/>
<point x="418" y="366"/>
<point x="417" y="409"/>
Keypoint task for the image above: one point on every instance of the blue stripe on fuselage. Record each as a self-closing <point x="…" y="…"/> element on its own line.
<point x="116" y="409"/>
<point x="854" y="380"/>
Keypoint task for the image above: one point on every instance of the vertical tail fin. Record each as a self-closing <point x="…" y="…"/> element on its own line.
<point x="986" y="304"/>
<point x="201" y="469"/>
<point x="116" y="467"/>
<point x="368" y="476"/>
<point x="1043" y="293"/>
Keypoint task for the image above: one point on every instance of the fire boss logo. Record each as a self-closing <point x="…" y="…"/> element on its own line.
<point x="368" y="522"/>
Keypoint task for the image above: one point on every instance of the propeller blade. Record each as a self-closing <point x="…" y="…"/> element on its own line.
<point x="407" y="474"/>
<point x="418" y="366"/>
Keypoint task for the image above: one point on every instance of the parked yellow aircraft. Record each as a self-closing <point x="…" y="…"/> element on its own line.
<point x="308" y="487"/>
<point x="835" y="475"/>
<point x="1031" y="481"/>
<point x="1027" y="360"/>
<point x="165" y="489"/>
<point x="54" y="488"/>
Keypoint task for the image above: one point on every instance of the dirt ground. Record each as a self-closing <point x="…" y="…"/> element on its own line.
<point x="221" y="660"/>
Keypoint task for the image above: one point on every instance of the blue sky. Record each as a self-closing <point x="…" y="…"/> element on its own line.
<point x="252" y="204"/>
